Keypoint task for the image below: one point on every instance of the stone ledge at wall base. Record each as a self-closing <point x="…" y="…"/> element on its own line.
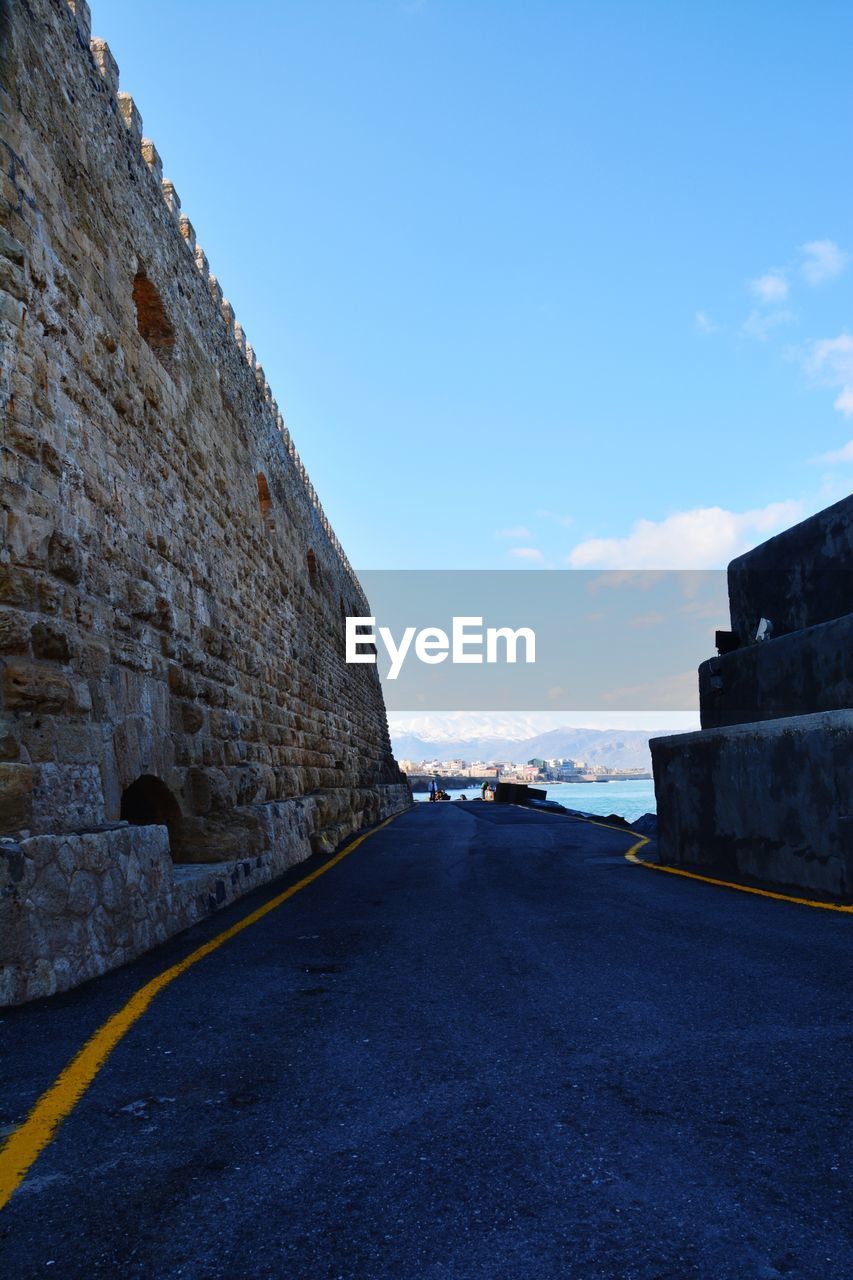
<point x="769" y="800"/>
<point x="75" y="906"/>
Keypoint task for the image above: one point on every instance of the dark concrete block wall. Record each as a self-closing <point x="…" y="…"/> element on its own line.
<point x="771" y="801"/>
<point x="794" y="674"/>
<point x="802" y="577"/>
<point x="765" y="789"/>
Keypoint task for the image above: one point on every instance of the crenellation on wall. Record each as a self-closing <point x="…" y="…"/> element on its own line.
<point x="130" y="114"/>
<point x="82" y="17"/>
<point x="187" y="231"/>
<point x="151" y="156"/>
<point x="106" y="64"/>
<point x="201" y="261"/>
<point x="244" y="347"/>
<point x="171" y="198"/>
<point x="224" y="306"/>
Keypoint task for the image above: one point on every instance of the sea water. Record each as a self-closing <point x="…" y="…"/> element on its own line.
<point x="629" y="799"/>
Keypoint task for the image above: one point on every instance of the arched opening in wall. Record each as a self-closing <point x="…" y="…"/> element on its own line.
<point x="265" y="503"/>
<point x="148" y="802"/>
<point x="151" y="319"/>
<point x="313" y="571"/>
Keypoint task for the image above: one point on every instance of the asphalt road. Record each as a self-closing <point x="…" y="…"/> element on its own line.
<point x="483" y="1045"/>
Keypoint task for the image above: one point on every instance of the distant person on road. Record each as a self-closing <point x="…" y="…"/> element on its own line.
<point x="433" y="789"/>
<point x="483" y="787"/>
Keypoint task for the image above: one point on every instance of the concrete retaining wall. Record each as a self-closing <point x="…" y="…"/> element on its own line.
<point x="75" y="906"/>
<point x="770" y="800"/>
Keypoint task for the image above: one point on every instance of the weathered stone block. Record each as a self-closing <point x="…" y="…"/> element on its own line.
<point x="27" y="538"/>
<point x="192" y="717"/>
<point x="64" y="557"/>
<point x="10" y="248"/>
<point x="83" y="892"/>
<point x="49" y="596"/>
<point x="14" y="631"/>
<point x="11" y="310"/>
<point x="141" y="599"/>
<point x="34" y="689"/>
<point x="16" y="587"/>
<point x="67" y="797"/>
<point x="50" y="642"/>
<point x="20" y="435"/>
<point x="16" y="796"/>
<point x="49" y="894"/>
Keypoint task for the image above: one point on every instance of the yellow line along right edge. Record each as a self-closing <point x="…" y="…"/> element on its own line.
<point x="632" y="856"/>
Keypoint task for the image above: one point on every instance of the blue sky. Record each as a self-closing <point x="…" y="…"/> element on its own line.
<point x="527" y="279"/>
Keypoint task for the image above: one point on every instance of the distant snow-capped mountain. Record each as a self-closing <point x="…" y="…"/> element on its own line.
<point x="618" y="748"/>
<point x="472" y="724"/>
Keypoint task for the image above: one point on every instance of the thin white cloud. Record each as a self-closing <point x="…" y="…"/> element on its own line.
<point x="759" y="324"/>
<point x="666" y="693"/>
<point x="704" y="538"/>
<point x="830" y="362"/>
<point x="822" y="260"/>
<point x="563" y="521"/>
<point x="819" y="261"/>
<point x="518" y="532"/>
<point x="844" y="454"/>
<point x="531" y="554"/>
<point x="704" y="323"/>
<point x="642" y="621"/>
<point x="771" y="288"/>
<point x="624" y="578"/>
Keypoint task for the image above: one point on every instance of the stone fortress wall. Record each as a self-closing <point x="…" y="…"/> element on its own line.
<point x="178" y="722"/>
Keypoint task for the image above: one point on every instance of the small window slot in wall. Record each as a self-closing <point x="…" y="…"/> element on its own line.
<point x="265" y="503"/>
<point x="151" y="319"/>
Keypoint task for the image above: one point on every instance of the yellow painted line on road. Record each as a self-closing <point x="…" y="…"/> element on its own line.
<point x="631" y="855"/>
<point x="23" y="1147"/>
